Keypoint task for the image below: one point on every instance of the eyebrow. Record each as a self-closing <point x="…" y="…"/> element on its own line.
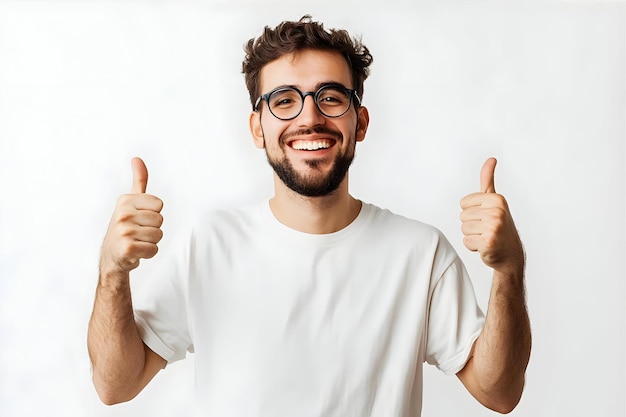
<point x="315" y="88"/>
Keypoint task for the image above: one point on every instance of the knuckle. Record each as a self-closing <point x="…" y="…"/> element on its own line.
<point x="499" y="201"/>
<point x="128" y="249"/>
<point x="154" y="202"/>
<point x="127" y="231"/>
<point x="157" y="219"/>
<point x="150" y="251"/>
<point x="121" y="200"/>
<point x="497" y="215"/>
<point x="495" y="225"/>
<point x="125" y="200"/>
<point x="125" y="216"/>
<point x="500" y="224"/>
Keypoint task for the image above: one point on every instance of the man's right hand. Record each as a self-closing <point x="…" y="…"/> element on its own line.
<point x="135" y="227"/>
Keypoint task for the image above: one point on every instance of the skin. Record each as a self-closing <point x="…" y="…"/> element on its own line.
<point x="494" y="374"/>
<point x="307" y="70"/>
<point x="122" y="364"/>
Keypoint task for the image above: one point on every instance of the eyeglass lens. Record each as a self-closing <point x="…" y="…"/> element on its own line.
<point x="287" y="103"/>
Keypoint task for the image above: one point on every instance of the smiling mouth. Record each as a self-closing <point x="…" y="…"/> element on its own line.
<point x="311" y="145"/>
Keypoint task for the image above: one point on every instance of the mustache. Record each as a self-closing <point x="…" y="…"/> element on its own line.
<point x="309" y="131"/>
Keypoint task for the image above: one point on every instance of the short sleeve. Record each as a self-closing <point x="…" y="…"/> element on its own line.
<point x="454" y="321"/>
<point x="159" y="293"/>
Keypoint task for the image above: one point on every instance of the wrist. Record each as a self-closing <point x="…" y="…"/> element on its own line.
<point x="509" y="282"/>
<point x="510" y="271"/>
<point x="113" y="278"/>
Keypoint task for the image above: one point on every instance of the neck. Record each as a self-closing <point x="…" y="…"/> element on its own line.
<point x="315" y="215"/>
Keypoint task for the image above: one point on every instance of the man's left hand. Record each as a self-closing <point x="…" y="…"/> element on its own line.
<point x="488" y="226"/>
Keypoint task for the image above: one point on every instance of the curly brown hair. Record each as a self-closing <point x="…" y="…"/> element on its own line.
<point x="289" y="37"/>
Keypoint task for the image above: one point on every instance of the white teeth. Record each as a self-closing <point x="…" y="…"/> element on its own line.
<point x="311" y="146"/>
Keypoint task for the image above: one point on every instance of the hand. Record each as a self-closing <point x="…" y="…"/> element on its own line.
<point x="134" y="229"/>
<point x="488" y="227"/>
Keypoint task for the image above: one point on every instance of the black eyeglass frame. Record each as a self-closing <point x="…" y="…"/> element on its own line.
<point x="349" y="92"/>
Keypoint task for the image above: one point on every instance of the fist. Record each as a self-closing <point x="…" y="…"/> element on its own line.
<point x="488" y="226"/>
<point x="135" y="227"/>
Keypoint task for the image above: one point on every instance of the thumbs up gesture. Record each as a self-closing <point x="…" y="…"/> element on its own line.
<point x="488" y="226"/>
<point x="134" y="229"/>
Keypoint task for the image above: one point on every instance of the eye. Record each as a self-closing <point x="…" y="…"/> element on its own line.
<point x="284" y="98"/>
<point x="282" y="102"/>
<point x="332" y="97"/>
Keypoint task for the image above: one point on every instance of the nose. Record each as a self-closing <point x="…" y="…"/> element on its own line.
<point x="310" y="114"/>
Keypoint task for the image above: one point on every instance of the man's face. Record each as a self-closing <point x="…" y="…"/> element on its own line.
<point x="311" y="153"/>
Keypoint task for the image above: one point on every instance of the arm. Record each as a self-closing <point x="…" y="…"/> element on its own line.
<point x="494" y="374"/>
<point x="122" y="364"/>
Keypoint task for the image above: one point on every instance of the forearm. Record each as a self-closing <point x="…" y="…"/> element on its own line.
<point x="115" y="348"/>
<point x="122" y="364"/>
<point x="494" y="374"/>
<point x="502" y="351"/>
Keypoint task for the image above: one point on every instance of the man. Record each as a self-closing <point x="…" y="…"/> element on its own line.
<point x="312" y="303"/>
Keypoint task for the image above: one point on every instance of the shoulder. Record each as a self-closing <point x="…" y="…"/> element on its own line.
<point x="386" y="220"/>
<point x="397" y="230"/>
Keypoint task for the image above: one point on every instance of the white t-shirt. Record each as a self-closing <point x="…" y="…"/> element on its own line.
<point x="284" y="323"/>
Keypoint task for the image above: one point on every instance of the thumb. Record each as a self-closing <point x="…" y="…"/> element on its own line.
<point x="486" y="176"/>
<point x="140" y="176"/>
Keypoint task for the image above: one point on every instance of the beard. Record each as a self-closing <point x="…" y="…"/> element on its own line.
<point x="316" y="184"/>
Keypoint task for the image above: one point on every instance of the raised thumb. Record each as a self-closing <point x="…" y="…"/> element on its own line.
<point x="487" y="173"/>
<point x="140" y="176"/>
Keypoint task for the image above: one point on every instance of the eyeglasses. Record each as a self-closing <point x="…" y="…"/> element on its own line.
<point x="286" y="103"/>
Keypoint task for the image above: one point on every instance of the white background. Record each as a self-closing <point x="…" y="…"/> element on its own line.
<point x="87" y="85"/>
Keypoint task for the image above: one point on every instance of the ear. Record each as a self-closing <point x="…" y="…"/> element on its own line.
<point x="256" y="129"/>
<point x="363" y="120"/>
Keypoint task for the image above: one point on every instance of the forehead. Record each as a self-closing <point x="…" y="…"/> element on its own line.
<point x="306" y="69"/>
